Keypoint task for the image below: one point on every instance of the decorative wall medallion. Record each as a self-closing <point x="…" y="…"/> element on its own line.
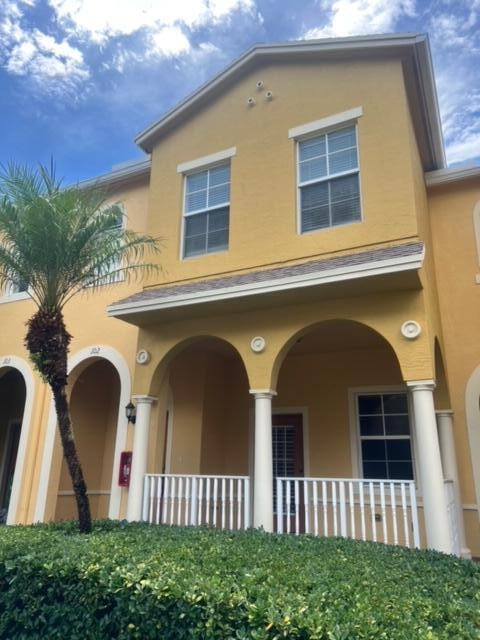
<point x="143" y="356"/>
<point x="411" y="329"/>
<point x="258" y="344"/>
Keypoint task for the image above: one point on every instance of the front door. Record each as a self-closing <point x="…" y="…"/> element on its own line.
<point x="287" y="453"/>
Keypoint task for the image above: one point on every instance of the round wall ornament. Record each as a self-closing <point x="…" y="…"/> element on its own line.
<point x="258" y="344"/>
<point x="143" y="356"/>
<point x="411" y="329"/>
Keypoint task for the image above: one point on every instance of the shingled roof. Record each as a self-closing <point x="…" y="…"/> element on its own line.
<point x="387" y="259"/>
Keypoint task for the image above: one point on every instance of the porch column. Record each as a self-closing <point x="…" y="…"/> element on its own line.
<point x="139" y="457"/>
<point x="430" y="466"/>
<point x="450" y="469"/>
<point x="263" y="464"/>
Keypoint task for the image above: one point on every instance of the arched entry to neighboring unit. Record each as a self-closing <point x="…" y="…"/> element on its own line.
<point x="12" y="401"/>
<point x="94" y="405"/>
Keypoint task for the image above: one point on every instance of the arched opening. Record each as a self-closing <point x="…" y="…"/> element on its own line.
<point x="12" y="401"/>
<point x="203" y="410"/>
<point x="343" y="382"/>
<point x="94" y="405"/>
<point x="199" y="453"/>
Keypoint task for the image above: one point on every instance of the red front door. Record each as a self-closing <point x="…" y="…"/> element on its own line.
<point x="287" y="453"/>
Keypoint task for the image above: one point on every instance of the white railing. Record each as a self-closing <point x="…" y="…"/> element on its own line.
<point x="378" y="510"/>
<point x="452" y="511"/>
<point x="184" y="500"/>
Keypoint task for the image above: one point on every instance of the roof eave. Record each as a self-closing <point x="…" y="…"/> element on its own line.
<point x="351" y="272"/>
<point x="119" y="176"/>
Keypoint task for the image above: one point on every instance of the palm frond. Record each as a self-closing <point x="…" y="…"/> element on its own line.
<point x="64" y="240"/>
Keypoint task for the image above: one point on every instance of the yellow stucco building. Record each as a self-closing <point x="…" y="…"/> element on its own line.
<point x="307" y="359"/>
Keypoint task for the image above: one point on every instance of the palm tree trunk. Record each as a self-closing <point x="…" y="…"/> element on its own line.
<point x="47" y="340"/>
<point x="71" y="458"/>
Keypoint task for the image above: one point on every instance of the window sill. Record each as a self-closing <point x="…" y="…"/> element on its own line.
<point x="14" y="297"/>
<point x="204" y="255"/>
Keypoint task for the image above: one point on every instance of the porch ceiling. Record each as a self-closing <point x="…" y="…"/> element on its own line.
<point x="387" y="268"/>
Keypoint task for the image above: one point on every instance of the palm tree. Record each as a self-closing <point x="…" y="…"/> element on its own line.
<point x="62" y="241"/>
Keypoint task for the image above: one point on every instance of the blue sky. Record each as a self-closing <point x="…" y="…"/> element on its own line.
<point x="80" y="78"/>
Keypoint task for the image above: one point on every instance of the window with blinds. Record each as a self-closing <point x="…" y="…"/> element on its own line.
<point x="385" y="439"/>
<point x="328" y="179"/>
<point x="206" y="211"/>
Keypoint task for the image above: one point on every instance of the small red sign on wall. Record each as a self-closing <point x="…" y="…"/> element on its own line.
<point x="125" y="469"/>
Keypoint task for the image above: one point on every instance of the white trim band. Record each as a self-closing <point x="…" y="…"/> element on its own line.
<point x="205" y="161"/>
<point x="325" y="123"/>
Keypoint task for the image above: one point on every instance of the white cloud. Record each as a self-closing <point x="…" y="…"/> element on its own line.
<point x="356" y="17"/>
<point x="54" y="66"/>
<point x="100" y="21"/>
<point x="169" y="42"/>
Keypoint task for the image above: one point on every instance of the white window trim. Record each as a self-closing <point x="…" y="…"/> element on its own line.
<point x="198" y="169"/>
<point x="357" y="171"/>
<point x="205" y="162"/>
<point x="355" y="440"/>
<point x="325" y="124"/>
<point x="14" y="297"/>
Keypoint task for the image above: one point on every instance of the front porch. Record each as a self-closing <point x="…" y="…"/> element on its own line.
<point x="335" y="451"/>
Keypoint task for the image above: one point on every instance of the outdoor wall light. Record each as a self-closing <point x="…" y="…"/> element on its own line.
<point x="131" y="412"/>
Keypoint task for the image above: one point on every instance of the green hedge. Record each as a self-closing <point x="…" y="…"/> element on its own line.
<point x="138" y="581"/>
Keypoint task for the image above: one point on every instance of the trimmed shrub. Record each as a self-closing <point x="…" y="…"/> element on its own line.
<point x="148" y="582"/>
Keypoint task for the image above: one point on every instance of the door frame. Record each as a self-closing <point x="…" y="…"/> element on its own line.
<point x="303" y="411"/>
<point x="8" y="439"/>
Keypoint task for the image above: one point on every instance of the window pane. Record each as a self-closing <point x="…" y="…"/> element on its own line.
<point x="370" y="404"/>
<point x="371" y="426"/>
<point x="395" y="403"/>
<point x="346" y="211"/>
<point x="342" y="139"/>
<point x="344" y="188"/>
<point x="195" y="245"/>
<point x="377" y="470"/>
<point x="398" y="450"/>
<point x="217" y="240"/>
<point x="195" y="225"/>
<point x="219" y="175"/>
<point x="342" y="161"/>
<point x="373" y="450"/>
<point x="397" y="426"/>
<point x="400" y="470"/>
<point x="219" y="195"/>
<point x="197" y="181"/>
<point x="312" y="169"/>
<point x="314" y="207"/>
<point x="196" y="201"/>
<point x="218" y="220"/>
<point x="312" y="148"/>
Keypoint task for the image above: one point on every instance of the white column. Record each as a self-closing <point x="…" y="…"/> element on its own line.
<point x="430" y="466"/>
<point x="263" y="464"/>
<point x="139" y="457"/>
<point x="450" y="469"/>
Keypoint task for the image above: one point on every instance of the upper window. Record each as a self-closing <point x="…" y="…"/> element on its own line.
<point x="328" y="179"/>
<point x="384" y="426"/>
<point x="206" y="211"/>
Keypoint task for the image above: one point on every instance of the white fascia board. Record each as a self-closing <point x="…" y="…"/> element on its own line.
<point x="205" y="161"/>
<point x="375" y="268"/>
<point x="444" y="176"/>
<point x="326" y="123"/>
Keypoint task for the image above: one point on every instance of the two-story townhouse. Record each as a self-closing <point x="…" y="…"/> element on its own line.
<point x="296" y="363"/>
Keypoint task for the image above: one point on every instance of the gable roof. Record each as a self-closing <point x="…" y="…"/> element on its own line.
<point x="413" y="48"/>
